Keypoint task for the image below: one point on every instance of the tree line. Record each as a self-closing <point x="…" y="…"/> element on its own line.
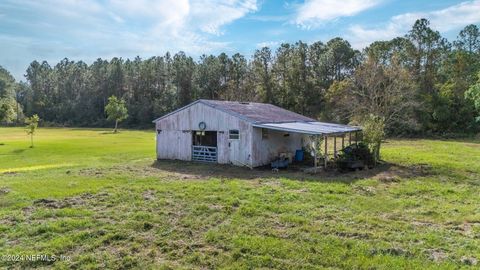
<point x="419" y="83"/>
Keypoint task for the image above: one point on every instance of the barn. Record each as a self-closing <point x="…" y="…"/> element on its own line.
<point x="240" y="133"/>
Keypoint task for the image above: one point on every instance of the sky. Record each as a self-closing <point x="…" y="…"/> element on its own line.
<point x="89" y="29"/>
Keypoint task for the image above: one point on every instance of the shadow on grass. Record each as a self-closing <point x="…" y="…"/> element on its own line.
<point x="107" y="130"/>
<point x="19" y="151"/>
<point x="385" y="172"/>
<point x="120" y="131"/>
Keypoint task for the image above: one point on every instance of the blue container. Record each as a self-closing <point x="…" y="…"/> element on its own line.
<point x="299" y="155"/>
<point x="279" y="163"/>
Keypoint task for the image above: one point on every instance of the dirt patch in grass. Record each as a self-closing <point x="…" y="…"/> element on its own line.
<point x="468" y="229"/>
<point x="353" y="235"/>
<point x="9" y="173"/>
<point x="394" y="173"/>
<point x="96" y="172"/>
<point x="437" y="255"/>
<point x="149" y="195"/>
<point x="49" y="203"/>
<point x="386" y="172"/>
<point x="4" y="190"/>
<point x="70" y="201"/>
<point x="469" y="260"/>
<point x="422" y="223"/>
<point x="394" y="251"/>
<point x="192" y="170"/>
<point x="477" y="145"/>
<point x="182" y="170"/>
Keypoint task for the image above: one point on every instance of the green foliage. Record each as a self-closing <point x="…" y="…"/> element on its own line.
<point x="417" y="82"/>
<point x="7" y="84"/>
<point x="262" y="61"/>
<point x="184" y="68"/>
<point x="294" y="77"/>
<point x="385" y="90"/>
<point x="116" y="110"/>
<point x="313" y="145"/>
<point x="374" y="133"/>
<point x="473" y="94"/>
<point x="355" y="156"/>
<point x="31" y="126"/>
<point x="469" y="39"/>
<point x="7" y="110"/>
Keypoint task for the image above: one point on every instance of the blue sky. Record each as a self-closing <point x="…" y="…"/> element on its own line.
<point x="88" y="29"/>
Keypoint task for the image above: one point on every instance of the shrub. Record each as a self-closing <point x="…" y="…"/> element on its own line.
<point x="355" y="156"/>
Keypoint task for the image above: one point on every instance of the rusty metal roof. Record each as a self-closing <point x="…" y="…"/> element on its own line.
<point x="257" y="112"/>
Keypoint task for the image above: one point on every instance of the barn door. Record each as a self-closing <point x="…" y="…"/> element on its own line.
<point x="234" y="146"/>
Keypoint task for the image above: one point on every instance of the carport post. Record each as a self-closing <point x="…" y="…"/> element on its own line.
<point x="335" y="147"/>
<point x="315" y="153"/>
<point x="326" y="153"/>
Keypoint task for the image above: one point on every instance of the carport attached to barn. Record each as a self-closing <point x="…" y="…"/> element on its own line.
<point x="317" y="129"/>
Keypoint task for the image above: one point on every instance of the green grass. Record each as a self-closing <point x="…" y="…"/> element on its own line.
<point x="100" y="199"/>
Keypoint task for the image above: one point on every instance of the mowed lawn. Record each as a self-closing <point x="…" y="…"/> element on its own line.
<point x="103" y="201"/>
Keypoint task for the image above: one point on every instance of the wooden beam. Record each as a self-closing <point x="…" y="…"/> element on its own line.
<point x="315" y="153"/>
<point x="349" y="138"/>
<point x="343" y="141"/>
<point x="335" y="147"/>
<point x="326" y="152"/>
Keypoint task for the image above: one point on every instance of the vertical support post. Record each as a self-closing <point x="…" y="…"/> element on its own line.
<point x="326" y="153"/>
<point x="343" y="141"/>
<point x="315" y="153"/>
<point x="356" y="137"/>
<point x="335" y="147"/>
<point x="349" y="138"/>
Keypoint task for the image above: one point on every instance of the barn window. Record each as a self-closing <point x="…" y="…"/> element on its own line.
<point x="233" y="134"/>
<point x="264" y="133"/>
<point x="159" y="131"/>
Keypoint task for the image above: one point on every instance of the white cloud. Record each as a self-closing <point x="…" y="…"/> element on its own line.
<point x="270" y="44"/>
<point x="444" y="20"/>
<point x="314" y="13"/>
<point x="88" y="29"/>
<point x="212" y="15"/>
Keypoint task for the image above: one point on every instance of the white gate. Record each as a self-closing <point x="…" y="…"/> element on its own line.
<point x="204" y="153"/>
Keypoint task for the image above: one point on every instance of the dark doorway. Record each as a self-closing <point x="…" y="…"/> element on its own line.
<point x="204" y="146"/>
<point x="205" y="138"/>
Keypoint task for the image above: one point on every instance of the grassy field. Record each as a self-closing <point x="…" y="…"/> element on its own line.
<point x="100" y="199"/>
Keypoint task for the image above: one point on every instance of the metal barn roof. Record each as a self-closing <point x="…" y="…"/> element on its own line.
<point x="312" y="128"/>
<point x="249" y="111"/>
<point x="257" y="112"/>
<point x="269" y="116"/>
